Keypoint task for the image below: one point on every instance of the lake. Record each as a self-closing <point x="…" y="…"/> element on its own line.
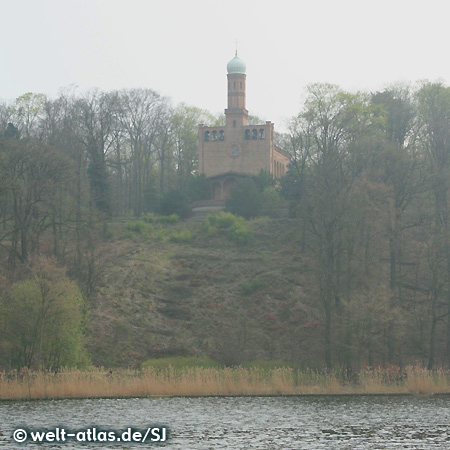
<point x="322" y="422"/>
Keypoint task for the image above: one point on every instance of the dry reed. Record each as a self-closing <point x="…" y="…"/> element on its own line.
<point x="212" y="381"/>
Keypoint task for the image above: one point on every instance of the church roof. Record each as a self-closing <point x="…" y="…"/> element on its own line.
<point x="236" y="65"/>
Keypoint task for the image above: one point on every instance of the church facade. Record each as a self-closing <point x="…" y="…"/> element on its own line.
<point x="237" y="149"/>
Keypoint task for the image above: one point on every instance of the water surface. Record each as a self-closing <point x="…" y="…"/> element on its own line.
<point x="250" y="423"/>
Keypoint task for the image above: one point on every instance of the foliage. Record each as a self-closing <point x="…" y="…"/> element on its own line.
<point x="184" y="145"/>
<point x="271" y="199"/>
<point x="245" y="199"/>
<point x="254" y="196"/>
<point x="368" y="185"/>
<point x="51" y="333"/>
<point x="154" y="218"/>
<point x="11" y="132"/>
<point x="181" y="236"/>
<point x="198" y="188"/>
<point x="232" y="226"/>
<point x="220" y="221"/>
<point x="155" y="226"/>
<point x="174" y="202"/>
<point x="263" y="180"/>
<point x="248" y="287"/>
<point x="31" y="175"/>
<point x="138" y="226"/>
<point x="267" y="365"/>
<point x="292" y="184"/>
<point x="179" y="363"/>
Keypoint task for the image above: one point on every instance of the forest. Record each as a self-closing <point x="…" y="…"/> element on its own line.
<point x="368" y="195"/>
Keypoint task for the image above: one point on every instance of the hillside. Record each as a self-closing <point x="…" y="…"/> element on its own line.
<point x="209" y="296"/>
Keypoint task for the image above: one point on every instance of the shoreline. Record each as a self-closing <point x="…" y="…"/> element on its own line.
<point x="344" y="394"/>
<point x="219" y="382"/>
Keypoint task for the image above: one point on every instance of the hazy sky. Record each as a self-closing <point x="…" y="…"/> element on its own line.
<point x="181" y="48"/>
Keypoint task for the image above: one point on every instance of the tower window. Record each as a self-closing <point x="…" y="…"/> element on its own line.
<point x="234" y="124"/>
<point x="206" y="136"/>
<point x="247" y="135"/>
<point x="254" y="134"/>
<point x="234" y="84"/>
<point x="241" y="84"/>
<point x="221" y="135"/>
<point x="214" y="135"/>
<point x="261" y="133"/>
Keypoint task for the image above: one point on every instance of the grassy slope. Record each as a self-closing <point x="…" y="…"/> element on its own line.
<point x="209" y="297"/>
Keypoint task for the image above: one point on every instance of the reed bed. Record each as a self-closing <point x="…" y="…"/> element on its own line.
<point x="212" y="381"/>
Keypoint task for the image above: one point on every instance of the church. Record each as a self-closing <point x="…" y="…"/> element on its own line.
<point x="237" y="149"/>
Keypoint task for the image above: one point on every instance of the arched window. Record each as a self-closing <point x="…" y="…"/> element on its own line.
<point x="234" y="84"/>
<point x="214" y="135"/>
<point x="254" y="134"/>
<point x="261" y="133"/>
<point x="247" y="135"/>
<point x="221" y="135"/>
<point x="207" y="136"/>
<point x="241" y="85"/>
<point x="234" y="124"/>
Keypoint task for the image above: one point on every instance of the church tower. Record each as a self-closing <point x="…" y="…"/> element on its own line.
<point x="236" y="149"/>
<point x="236" y="114"/>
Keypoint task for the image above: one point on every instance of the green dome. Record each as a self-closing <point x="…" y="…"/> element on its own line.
<point x="236" y="65"/>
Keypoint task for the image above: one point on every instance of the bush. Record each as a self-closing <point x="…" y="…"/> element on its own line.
<point x="44" y="318"/>
<point x="181" y="236"/>
<point x="154" y="218"/>
<point x="240" y="233"/>
<point x="264" y="180"/>
<point x="199" y="188"/>
<point x="174" y="202"/>
<point x="151" y="225"/>
<point x="248" y="287"/>
<point x="148" y="218"/>
<point x="138" y="226"/>
<point x="179" y="363"/>
<point x="220" y="221"/>
<point x="173" y="218"/>
<point x="234" y="227"/>
<point x="245" y="199"/>
<point x="254" y="196"/>
<point x="271" y="199"/>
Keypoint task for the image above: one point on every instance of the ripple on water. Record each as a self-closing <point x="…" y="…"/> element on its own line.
<point x="296" y="423"/>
